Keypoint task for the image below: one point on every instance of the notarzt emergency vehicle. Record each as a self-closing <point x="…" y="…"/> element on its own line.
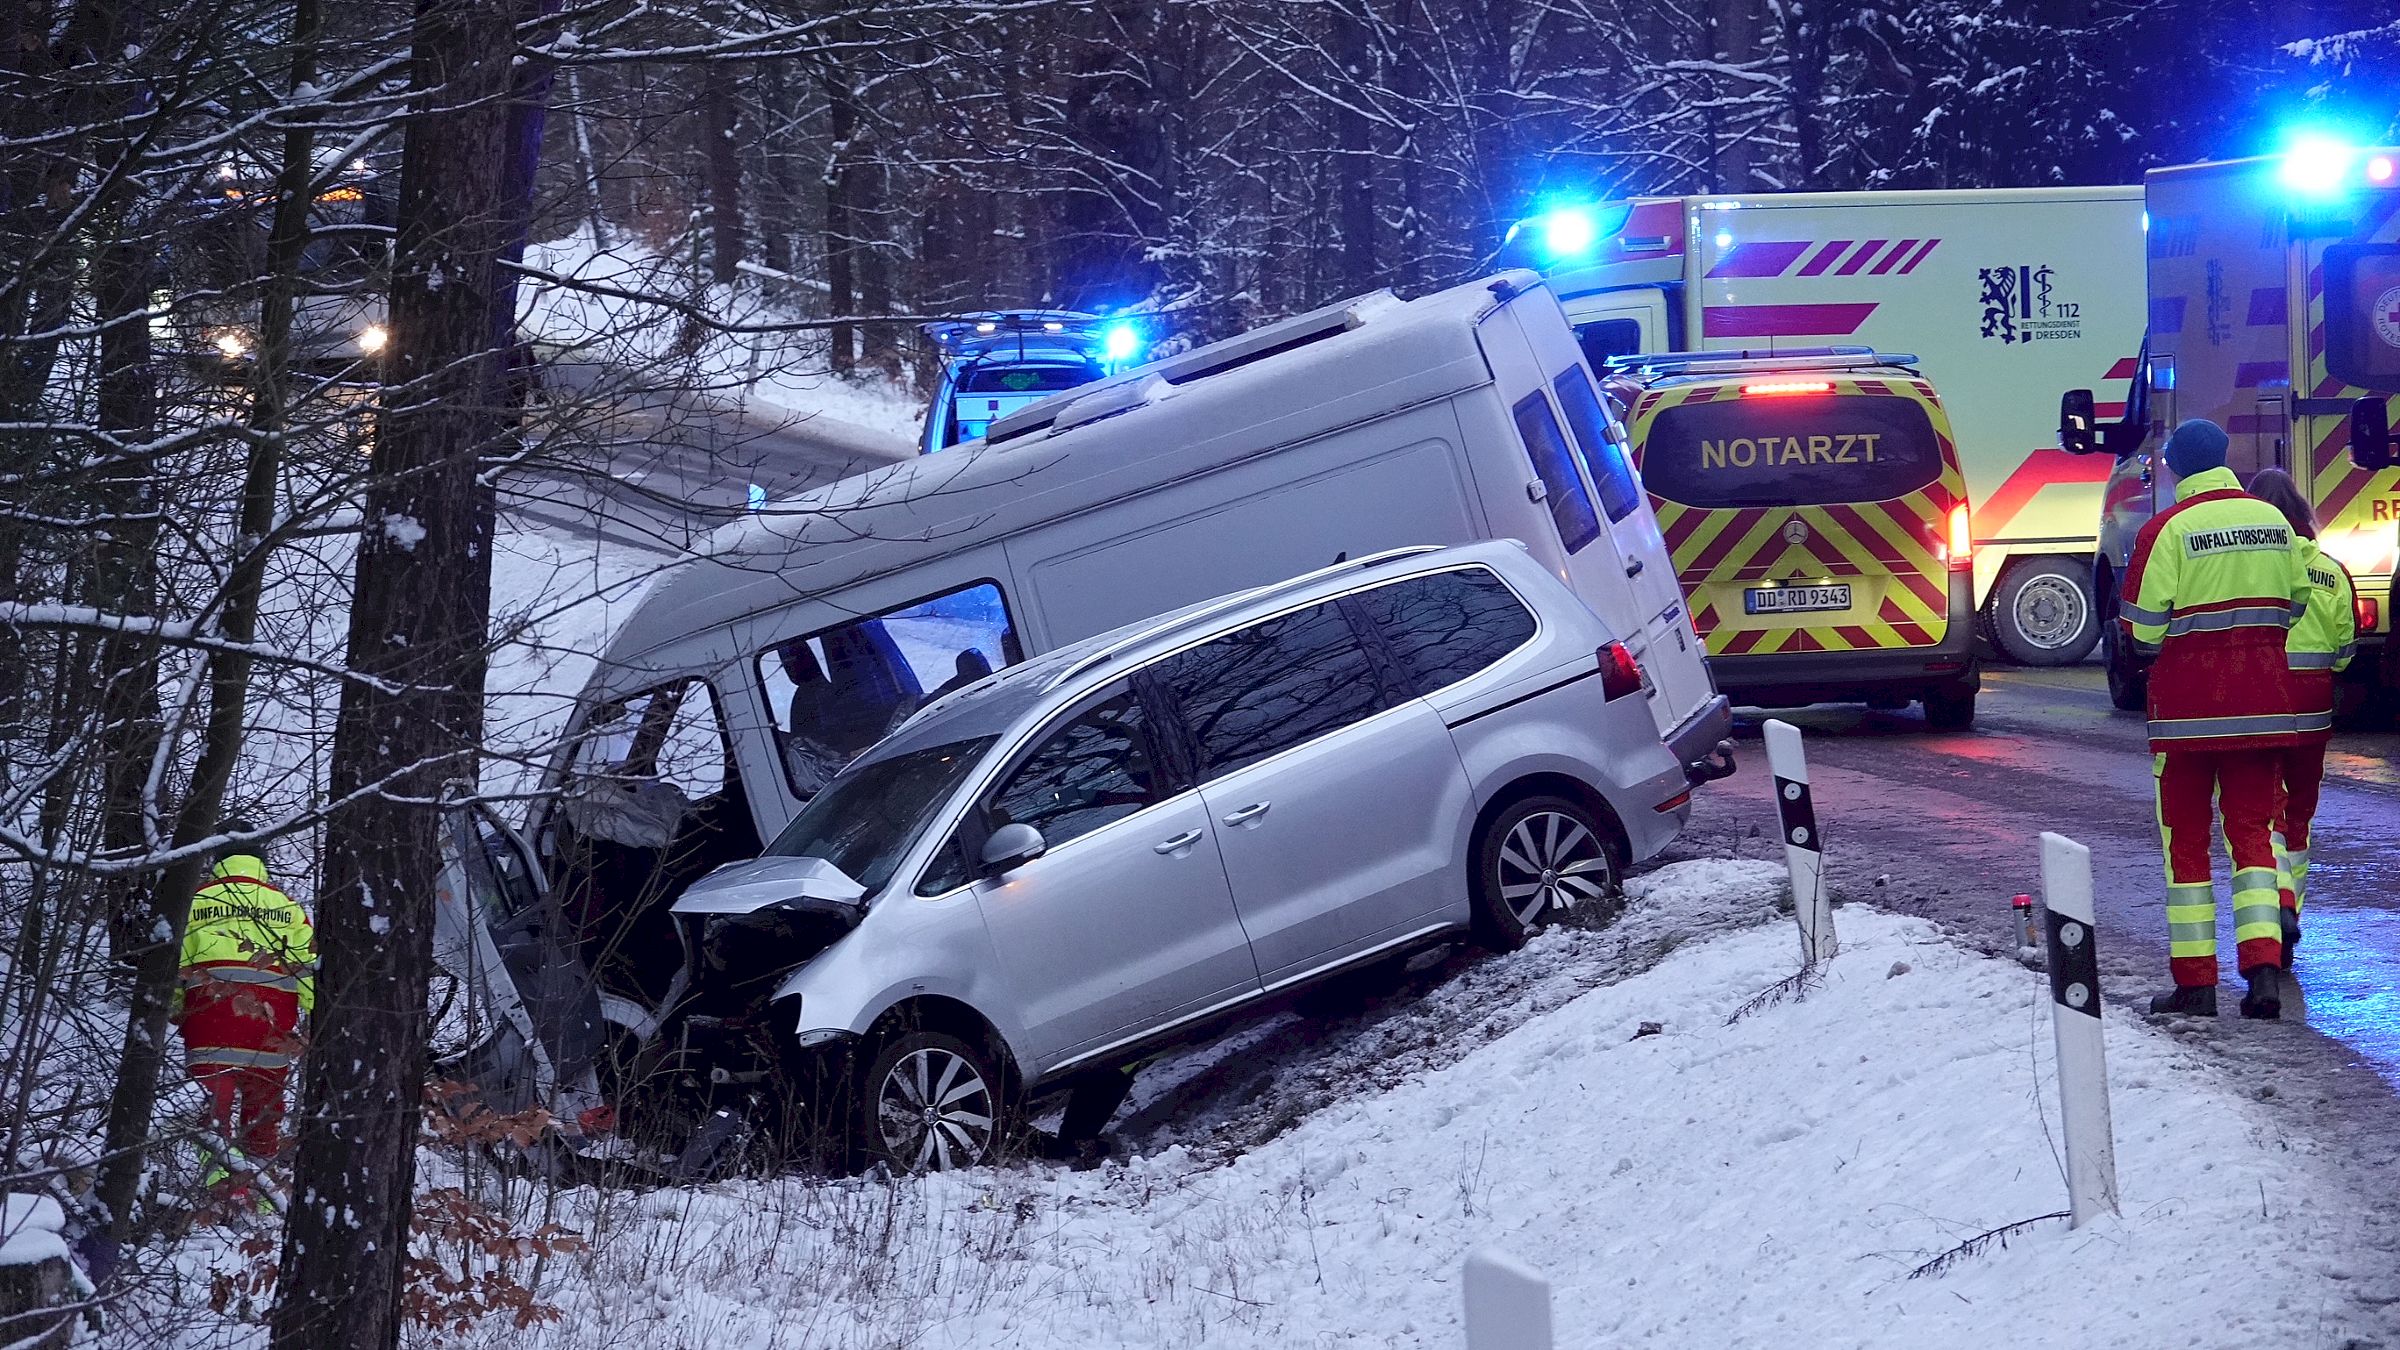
<point x="997" y="362"/>
<point x="1996" y="290"/>
<point x="1818" y="520"/>
<point x="2274" y="312"/>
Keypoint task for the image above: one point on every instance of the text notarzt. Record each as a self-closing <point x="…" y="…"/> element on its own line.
<point x="1745" y="453"/>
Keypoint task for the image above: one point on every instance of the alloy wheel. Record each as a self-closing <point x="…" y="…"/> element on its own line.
<point x="934" y="1110"/>
<point x="1551" y="860"/>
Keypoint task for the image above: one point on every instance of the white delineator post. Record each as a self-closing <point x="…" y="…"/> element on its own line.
<point x="1803" y="848"/>
<point x="2073" y="949"/>
<point x="1508" y="1303"/>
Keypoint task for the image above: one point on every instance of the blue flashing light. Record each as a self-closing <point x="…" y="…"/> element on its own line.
<point x="1568" y="231"/>
<point x="1120" y="342"/>
<point x="2317" y="164"/>
<point x="1724" y="239"/>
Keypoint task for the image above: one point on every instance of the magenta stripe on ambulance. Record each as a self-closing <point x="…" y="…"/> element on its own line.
<point x="1859" y="259"/>
<point x="1825" y="257"/>
<point x="1892" y="257"/>
<point x="1911" y="264"/>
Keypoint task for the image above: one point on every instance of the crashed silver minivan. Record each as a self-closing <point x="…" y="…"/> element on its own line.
<point x="753" y="671"/>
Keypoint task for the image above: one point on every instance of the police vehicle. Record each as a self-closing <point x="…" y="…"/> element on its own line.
<point x="996" y="362"/>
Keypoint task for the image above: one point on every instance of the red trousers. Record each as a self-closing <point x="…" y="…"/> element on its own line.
<point x="245" y="1105"/>
<point x="2303" y="779"/>
<point x="2194" y="788"/>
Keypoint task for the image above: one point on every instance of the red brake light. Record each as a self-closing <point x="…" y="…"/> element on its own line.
<point x="2369" y="612"/>
<point x="1788" y="387"/>
<point x="1959" y="547"/>
<point x="1620" y="674"/>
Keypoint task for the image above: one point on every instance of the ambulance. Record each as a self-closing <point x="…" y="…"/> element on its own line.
<point x="2274" y="287"/>
<point x="1995" y="291"/>
<point x="1814" y="507"/>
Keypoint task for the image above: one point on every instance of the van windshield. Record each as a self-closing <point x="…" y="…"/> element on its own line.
<point x="865" y="818"/>
<point x="1791" y="450"/>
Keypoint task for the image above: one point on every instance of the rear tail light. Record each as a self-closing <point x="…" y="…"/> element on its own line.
<point x="2369" y="611"/>
<point x="1620" y="674"/>
<point x="1771" y="387"/>
<point x="1958" y="546"/>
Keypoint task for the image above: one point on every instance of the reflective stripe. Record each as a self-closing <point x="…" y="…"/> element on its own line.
<point x="2310" y="660"/>
<point x="2134" y="613"/>
<point x="2316" y="721"/>
<point x="232" y="1057"/>
<point x="2252" y="879"/>
<point x="251" y="975"/>
<point x="2251" y="922"/>
<point x="2349" y="649"/>
<point x="2220" y="620"/>
<point x="2195" y="728"/>
<point x="2181" y="933"/>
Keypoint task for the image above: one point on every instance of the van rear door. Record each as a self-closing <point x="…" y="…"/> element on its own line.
<point x="1625" y="575"/>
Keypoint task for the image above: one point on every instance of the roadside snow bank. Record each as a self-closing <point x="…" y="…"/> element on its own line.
<point x="1772" y="1182"/>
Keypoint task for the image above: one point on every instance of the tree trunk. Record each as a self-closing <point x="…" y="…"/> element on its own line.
<point x="1354" y="165"/>
<point x="1733" y="32"/>
<point x="841" y="225"/>
<point x="418" y="623"/>
<point x="724" y="177"/>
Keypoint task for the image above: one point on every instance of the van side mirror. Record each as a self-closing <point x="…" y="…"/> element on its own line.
<point x="2078" y="422"/>
<point x="1011" y="847"/>
<point x="2371" y="433"/>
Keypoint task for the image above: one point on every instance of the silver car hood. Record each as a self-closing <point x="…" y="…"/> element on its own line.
<point x="765" y="883"/>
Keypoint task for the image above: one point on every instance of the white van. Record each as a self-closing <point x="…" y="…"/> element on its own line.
<point x="794" y="639"/>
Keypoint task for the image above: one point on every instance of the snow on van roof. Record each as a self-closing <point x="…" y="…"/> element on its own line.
<point x="1149" y="426"/>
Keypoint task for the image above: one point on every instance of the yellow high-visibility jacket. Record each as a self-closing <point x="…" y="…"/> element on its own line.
<point x="241" y="922"/>
<point x="2322" y="640"/>
<point x="2214" y="587"/>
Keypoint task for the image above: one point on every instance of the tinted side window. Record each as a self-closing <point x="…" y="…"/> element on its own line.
<point x="1445" y="627"/>
<point x="1605" y="338"/>
<point x="1603" y="442"/>
<point x="832" y="694"/>
<point x="1092" y="772"/>
<point x="1570" y="505"/>
<point x="1271" y="686"/>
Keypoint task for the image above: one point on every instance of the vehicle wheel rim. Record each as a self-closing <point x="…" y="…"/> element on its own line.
<point x="934" y="1111"/>
<point x="2050" y="612"/>
<point x="1551" y="860"/>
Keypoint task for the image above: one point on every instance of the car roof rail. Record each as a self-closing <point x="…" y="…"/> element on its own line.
<point x="1186" y="618"/>
<point x="1660" y="364"/>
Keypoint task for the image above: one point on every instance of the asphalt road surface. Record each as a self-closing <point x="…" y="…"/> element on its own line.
<point x="1947" y="826"/>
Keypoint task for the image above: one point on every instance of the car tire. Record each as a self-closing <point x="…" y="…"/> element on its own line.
<point x="1539" y="856"/>
<point x="1950" y="708"/>
<point x="960" y="1082"/>
<point x="2043" y="613"/>
<point x="2128" y="686"/>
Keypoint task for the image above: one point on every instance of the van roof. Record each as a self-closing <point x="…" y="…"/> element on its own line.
<point x="1143" y="429"/>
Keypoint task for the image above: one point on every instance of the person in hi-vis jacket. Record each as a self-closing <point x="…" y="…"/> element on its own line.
<point x="2318" y="648"/>
<point x="2213" y="589"/>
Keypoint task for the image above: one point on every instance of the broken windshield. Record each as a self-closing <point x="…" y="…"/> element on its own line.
<point x="868" y="815"/>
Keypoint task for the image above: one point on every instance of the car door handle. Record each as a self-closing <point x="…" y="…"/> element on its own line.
<point x="1634" y="569"/>
<point x="1177" y="844"/>
<point x="1247" y="814"/>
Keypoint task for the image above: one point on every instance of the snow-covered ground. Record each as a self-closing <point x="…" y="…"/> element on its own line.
<point x="776" y="376"/>
<point x="1772" y="1182"/>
